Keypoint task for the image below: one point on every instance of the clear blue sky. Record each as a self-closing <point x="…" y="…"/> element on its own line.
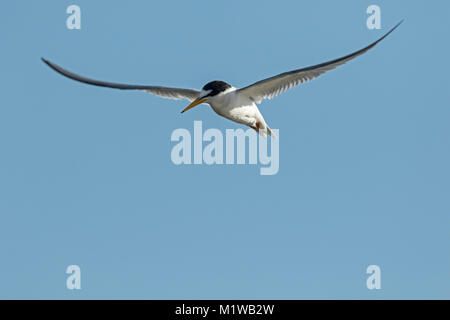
<point x="86" y="176"/>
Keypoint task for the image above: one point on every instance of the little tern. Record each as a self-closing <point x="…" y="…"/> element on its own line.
<point x="235" y="104"/>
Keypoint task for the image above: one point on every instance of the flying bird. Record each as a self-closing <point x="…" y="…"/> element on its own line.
<point x="236" y="104"/>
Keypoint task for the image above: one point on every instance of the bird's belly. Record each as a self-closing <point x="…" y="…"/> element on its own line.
<point x="244" y="114"/>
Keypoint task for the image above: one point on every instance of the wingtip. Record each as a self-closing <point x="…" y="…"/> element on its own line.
<point x="399" y="23"/>
<point x="389" y="32"/>
<point x="51" y="65"/>
<point x="45" y="61"/>
<point x="395" y="27"/>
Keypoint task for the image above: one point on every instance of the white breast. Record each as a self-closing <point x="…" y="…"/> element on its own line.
<point x="236" y="107"/>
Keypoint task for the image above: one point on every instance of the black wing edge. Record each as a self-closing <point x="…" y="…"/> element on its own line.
<point x="79" y="78"/>
<point x="363" y="50"/>
<point x="370" y="46"/>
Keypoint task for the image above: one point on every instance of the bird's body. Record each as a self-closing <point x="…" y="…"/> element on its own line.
<point x="239" y="108"/>
<point x="238" y="105"/>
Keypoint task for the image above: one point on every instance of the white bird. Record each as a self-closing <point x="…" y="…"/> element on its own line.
<point x="238" y="105"/>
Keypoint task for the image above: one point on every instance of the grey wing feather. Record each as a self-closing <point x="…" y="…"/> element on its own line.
<point x="271" y="87"/>
<point x="166" y="92"/>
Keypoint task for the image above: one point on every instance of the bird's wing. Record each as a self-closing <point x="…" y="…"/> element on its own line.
<point x="271" y="87"/>
<point x="166" y="92"/>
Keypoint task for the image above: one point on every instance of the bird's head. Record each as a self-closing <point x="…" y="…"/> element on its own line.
<point x="209" y="91"/>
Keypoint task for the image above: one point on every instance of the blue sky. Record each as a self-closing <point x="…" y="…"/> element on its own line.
<point x="86" y="176"/>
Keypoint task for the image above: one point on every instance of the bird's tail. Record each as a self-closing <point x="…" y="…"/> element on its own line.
<point x="266" y="131"/>
<point x="270" y="132"/>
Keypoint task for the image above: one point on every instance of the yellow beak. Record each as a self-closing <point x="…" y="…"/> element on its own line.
<point x="194" y="103"/>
